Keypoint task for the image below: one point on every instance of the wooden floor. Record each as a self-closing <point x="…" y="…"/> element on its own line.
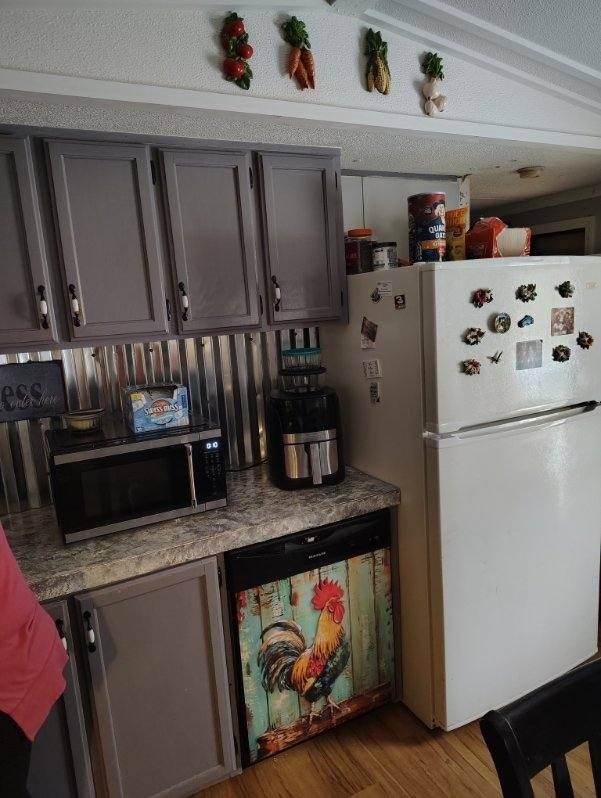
<point x="388" y="753"/>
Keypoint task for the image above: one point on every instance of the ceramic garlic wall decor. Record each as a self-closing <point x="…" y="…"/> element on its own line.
<point x="432" y="69"/>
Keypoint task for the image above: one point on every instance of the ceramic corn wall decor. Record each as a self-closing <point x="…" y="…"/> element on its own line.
<point x="436" y="102"/>
<point x="377" y="73"/>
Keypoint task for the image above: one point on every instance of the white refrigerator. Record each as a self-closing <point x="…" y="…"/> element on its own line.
<point x="499" y="527"/>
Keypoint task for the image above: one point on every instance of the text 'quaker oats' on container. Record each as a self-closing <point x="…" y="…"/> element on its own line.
<point x="427" y="231"/>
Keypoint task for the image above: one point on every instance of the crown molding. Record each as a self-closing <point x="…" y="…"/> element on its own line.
<point x="469" y="23"/>
<point x="428" y="38"/>
<point x="44" y="86"/>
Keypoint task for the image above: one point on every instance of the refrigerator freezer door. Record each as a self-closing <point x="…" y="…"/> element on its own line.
<point x="515" y="535"/>
<point x="526" y="379"/>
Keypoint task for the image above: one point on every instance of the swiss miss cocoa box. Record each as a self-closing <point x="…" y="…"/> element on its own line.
<point x="149" y="408"/>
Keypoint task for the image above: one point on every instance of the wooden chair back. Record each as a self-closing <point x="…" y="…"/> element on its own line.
<point x="538" y="730"/>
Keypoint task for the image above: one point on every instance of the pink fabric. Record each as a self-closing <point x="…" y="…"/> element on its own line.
<point x="32" y="656"/>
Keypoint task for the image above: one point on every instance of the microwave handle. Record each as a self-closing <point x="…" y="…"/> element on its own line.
<point x="188" y="447"/>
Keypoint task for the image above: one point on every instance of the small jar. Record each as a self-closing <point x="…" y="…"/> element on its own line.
<point x="357" y="249"/>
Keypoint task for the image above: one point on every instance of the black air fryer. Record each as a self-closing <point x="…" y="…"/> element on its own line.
<point x="303" y="425"/>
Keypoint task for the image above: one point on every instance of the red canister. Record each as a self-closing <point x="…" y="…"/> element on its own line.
<point x="427" y="233"/>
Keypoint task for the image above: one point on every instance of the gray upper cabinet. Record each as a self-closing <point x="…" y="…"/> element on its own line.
<point x="26" y="312"/>
<point x="159" y="682"/>
<point x="111" y="251"/>
<point x="212" y="233"/>
<point x="60" y="762"/>
<point x="303" y="237"/>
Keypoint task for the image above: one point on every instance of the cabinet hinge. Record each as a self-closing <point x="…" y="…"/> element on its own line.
<point x="250" y="172"/>
<point x="219" y="576"/>
<point x="153" y="173"/>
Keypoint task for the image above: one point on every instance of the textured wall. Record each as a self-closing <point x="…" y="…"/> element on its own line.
<point x="180" y="48"/>
<point x="228" y="377"/>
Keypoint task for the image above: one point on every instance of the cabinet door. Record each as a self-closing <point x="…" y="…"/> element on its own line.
<point x="60" y="762"/>
<point x="210" y="211"/>
<point x="110" y="240"/>
<point x="159" y="682"/>
<point x="303" y="235"/>
<point x="23" y="268"/>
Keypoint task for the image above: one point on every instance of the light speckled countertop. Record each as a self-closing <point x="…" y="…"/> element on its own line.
<point x="256" y="511"/>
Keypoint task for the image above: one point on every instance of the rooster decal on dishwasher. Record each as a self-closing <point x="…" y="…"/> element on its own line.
<point x="287" y="663"/>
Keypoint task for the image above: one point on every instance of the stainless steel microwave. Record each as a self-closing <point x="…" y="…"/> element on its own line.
<point x="114" y="480"/>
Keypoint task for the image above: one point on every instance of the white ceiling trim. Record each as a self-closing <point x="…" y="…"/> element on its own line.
<point x="38" y="85"/>
<point x="551" y="200"/>
<point x="486" y="30"/>
<point x="429" y="39"/>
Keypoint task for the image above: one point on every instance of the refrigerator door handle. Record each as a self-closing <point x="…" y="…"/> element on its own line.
<point x="516" y="425"/>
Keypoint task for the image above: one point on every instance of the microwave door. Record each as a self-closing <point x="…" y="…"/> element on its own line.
<point x="102" y="494"/>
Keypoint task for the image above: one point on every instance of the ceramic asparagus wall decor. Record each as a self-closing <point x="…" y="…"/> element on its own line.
<point x="301" y="64"/>
<point x="234" y="39"/>
<point x="432" y="69"/>
<point x="377" y="73"/>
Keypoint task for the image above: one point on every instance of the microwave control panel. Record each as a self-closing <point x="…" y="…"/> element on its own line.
<point x="209" y="470"/>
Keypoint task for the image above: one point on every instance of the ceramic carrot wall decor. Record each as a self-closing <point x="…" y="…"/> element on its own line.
<point x="301" y="64"/>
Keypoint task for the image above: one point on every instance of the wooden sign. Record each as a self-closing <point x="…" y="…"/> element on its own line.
<point x="32" y="390"/>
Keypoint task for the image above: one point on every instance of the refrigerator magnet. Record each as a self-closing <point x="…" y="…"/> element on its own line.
<point x="375" y="395"/>
<point x="375" y="295"/>
<point x="372" y="369"/>
<point x="561" y="353"/>
<point x="496" y="358"/>
<point x="369" y="330"/>
<point x="562" y="321"/>
<point x="526" y="321"/>
<point x="384" y="287"/>
<point x="473" y="336"/>
<point x="566" y="290"/>
<point x="529" y="355"/>
<point x="585" y="340"/>
<point x="502" y="322"/>
<point x="471" y="367"/>
<point x="481" y="297"/>
<point x="399" y="302"/>
<point x="526" y="292"/>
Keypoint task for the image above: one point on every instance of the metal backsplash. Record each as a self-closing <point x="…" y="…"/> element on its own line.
<point x="228" y="379"/>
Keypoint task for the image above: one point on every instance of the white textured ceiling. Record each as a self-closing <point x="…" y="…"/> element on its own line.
<point x="572" y="29"/>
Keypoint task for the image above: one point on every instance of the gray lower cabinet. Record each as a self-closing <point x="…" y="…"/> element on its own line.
<point x="60" y="762"/>
<point x="26" y="308"/>
<point x="212" y="234"/>
<point x="303" y="237"/>
<point x="159" y="682"/>
<point x="109" y="235"/>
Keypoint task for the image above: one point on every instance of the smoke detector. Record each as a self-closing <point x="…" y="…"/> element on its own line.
<point x="530" y="172"/>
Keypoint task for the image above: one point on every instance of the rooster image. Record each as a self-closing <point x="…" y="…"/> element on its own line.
<point x="287" y="662"/>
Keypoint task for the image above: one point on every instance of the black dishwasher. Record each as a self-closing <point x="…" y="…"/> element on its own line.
<point x="312" y="631"/>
